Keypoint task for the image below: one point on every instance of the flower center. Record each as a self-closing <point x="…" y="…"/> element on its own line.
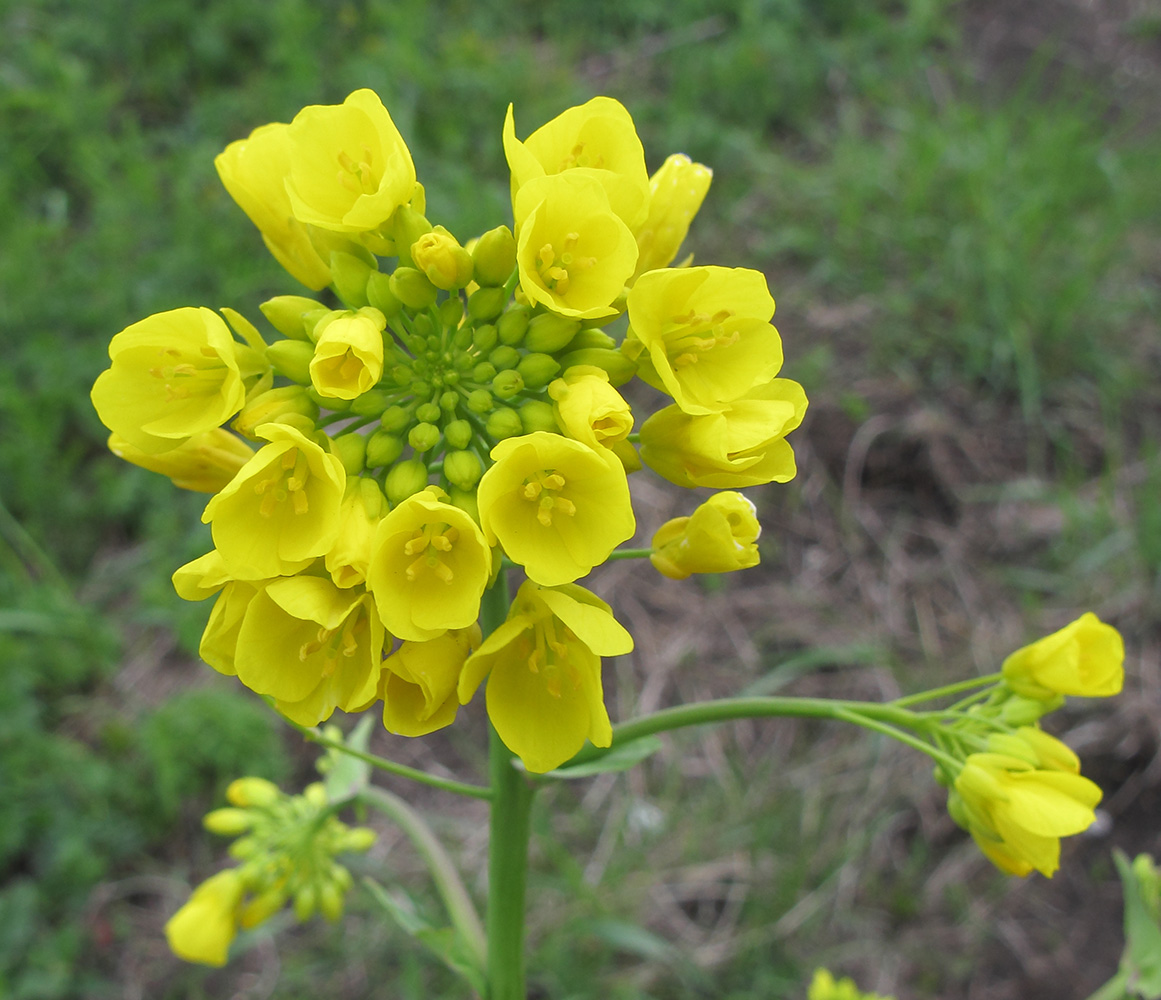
<point x="549" y="658"/>
<point x="357" y="176"/>
<point x="543" y="489"/>
<point x="558" y="267"/>
<point x="577" y="157"/>
<point x="429" y="545"/>
<point x="182" y="371"/>
<point x="334" y="643"/>
<point x="693" y="334"/>
<point x="287" y="483"/>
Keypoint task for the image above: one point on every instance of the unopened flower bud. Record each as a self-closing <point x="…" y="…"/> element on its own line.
<point x="538" y="370"/>
<point x="1020" y="711"/>
<point x="383" y="448"/>
<point x="370" y="404"/>
<point x="485" y="371"/>
<point x="537" y="415"/>
<point x="507" y="384"/>
<point x="291" y="359"/>
<point x="349" y="275"/>
<point x="423" y="437"/>
<point x="485" y="337"/>
<point x="591" y="336"/>
<point x="480" y="401"/>
<point x="486" y="303"/>
<point x="352" y="452"/>
<point x="513" y="324"/>
<point x="504" y="357"/>
<point x="305" y="902"/>
<point x="394" y="419"/>
<point x="503" y="423"/>
<point x="466" y="501"/>
<point x="428" y="412"/>
<point x="285" y="313"/>
<point x="458" y="433"/>
<point x="253" y="792"/>
<point x="494" y="256"/>
<point x="379" y="294"/>
<point x="462" y="468"/>
<point x="439" y="255"/>
<point x="406" y="479"/>
<point x="330" y="901"/>
<point x="262" y="907"/>
<point x="228" y="822"/>
<point x="619" y="368"/>
<point x="449" y="400"/>
<point x="408" y="225"/>
<point x="549" y="332"/>
<point x="412" y="288"/>
<point x="357" y="839"/>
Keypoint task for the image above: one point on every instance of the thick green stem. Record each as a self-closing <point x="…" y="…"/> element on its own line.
<point x="507" y="845"/>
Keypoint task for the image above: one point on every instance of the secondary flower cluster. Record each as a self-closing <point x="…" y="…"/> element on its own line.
<point x="1014" y="788"/>
<point x="448" y="406"/>
<point x="287" y="848"/>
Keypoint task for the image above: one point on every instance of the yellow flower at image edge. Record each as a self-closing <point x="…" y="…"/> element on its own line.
<point x="558" y="507"/>
<point x="174" y="375"/>
<point x="281" y="510"/>
<point x="1085" y="658"/>
<point x="543" y="666"/>
<point x="201" y="931"/>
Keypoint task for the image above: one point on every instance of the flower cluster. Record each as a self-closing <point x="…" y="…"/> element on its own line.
<point x="287" y="847"/>
<point x="1014" y="788"/>
<point x="446" y="409"/>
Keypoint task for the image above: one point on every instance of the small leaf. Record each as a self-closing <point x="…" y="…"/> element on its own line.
<point x="618" y="759"/>
<point x="346" y="776"/>
<point x="1142" y="958"/>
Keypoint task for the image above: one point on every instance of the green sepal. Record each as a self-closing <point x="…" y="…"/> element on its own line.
<point x="618" y="759"/>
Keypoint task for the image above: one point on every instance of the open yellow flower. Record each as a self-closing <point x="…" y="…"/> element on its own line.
<point x="543" y="667"/>
<point x="348" y="355"/>
<point x="419" y="681"/>
<point x="558" y="507"/>
<point x="574" y="254"/>
<point x="254" y="172"/>
<point x="362" y="509"/>
<point x="744" y="445"/>
<point x="281" y="511"/>
<point x="1017" y="812"/>
<point x="1085" y="658"/>
<point x="703" y="334"/>
<point x="201" y="931"/>
<point x="597" y="140"/>
<point x="429" y="566"/>
<point x="676" y="192"/>
<point x="202" y="578"/>
<point x="174" y="375"/>
<point x="719" y="537"/>
<point x="349" y="166"/>
<point x="588" y="408"/>
<point x="205" y="463"/>
<point x="311" y="646"/>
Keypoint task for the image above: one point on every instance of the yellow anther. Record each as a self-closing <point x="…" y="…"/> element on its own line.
<point x="532" y="490"/>
<point x="554" y="481"/>
<point x="301" y="502"/>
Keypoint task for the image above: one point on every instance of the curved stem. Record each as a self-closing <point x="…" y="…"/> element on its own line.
<point x="509" y="830"/>
<point x="383" y="764"/>
<point x="947" y="689"/>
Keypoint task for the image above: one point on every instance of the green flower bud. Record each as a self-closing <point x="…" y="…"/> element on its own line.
<point x="402" y="375"/>
<point x="423" y="437"/>
<point x="507" y="384"/>
<point x="349" y="275"/>
<point x="312" y="319"/>
<point x="484" y="338"/>
<point x="412" y="288"/>
<point x="262" y="907"/>
<point x="228" y="822"/>
<point x="316" y="794"/>
<point x="256" y="792"/>
<point x="537" y="415"/>
<point x="503" y="423"/>
<point x="394" y="419"/>
<point x="463" y="468"/>
<point x="406" y="479"/>
<point x="330" y="901"/>
<point x="359" y="838"/>
<point x="619" y="368"/>
<point x="458" y="433"/>
<point x="549" y="332"/>
<point x="480" y="401"/>
<point x="538" y="369"/>
<point x="408" y="225"/>
<point x="429" y="412"/>
<point x="451" y="313"/>
<point x="513" y="324"/>
<point x="305" y="901"/>
<point x="494" y="256"/>
<point x="352" y="450"/>
<point x="485" y="371"/>
<point x="370" y="403"/>
<point x="291" y="359"/>
<point x="1019" y="711"/>
<point x="462" y="338"/>
<point x="331" y="403"/>
<point x="466" y="501"/>
<point x="421" y="389"/>
<point x="244" y="848"/>
<point x="285" y="313"/>
<point x="486" y="303"/>
<point x="379" y="294"/>
<point x="273" y="406"/>
<point x="591" y="336"/>
<point x="449" y="400"/>
<point x="439" y="255"/>
<point x="383" y="448"/>
<point x="504" y="357"/>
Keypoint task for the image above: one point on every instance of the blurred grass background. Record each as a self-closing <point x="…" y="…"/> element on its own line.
<point x="957" y="205"/>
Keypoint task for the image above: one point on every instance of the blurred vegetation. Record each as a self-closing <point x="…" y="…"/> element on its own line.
<point x="1001" y="241"/>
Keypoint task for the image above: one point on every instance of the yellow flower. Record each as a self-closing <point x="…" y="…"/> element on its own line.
<point x="312" y="647"/>
<point x="676" y="192"/>
<point x="362" y="509"/>
<point x="201" y="931"/>
<point x="439" y="255"/>
<point x="429" y="566"/>
<point x="1084" y="658"/>
<point x="588" y="409"/>
<point x="744" y="445"/>
<point x="825" y="987"/>
<point x="419" y="681"/>
<point x="254" y="172"/>
<point x="202" y="578"/>
<point x="573" y="253"/>
<point x="205" y="463"/>
<point x="596" y="140"/>
<point x="348" y="355"/>
<point x="281" y="510"/>
<point x="703" y="334"/>
<point x="349" y="166"/>
<point x="719" y="537"/>
<point x="544" y="691"/>
<point x="174" y="375"/>
<point x="558" y="507"/>
<point x="1017" y="812"/>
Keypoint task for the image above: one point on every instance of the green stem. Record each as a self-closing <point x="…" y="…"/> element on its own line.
<point x="629" y="554"/>
<point x="947" y="689"/>
<point x="507" y="844"/>
<point x="443" y="872"/>
<point x="402" y="770"/>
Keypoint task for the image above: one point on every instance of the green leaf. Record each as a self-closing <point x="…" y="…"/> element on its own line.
<point x="1142" y="958"/>
<point x="346" y="776"/>
<point x="443" y="942"/>
<point x="618" y="759"/>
